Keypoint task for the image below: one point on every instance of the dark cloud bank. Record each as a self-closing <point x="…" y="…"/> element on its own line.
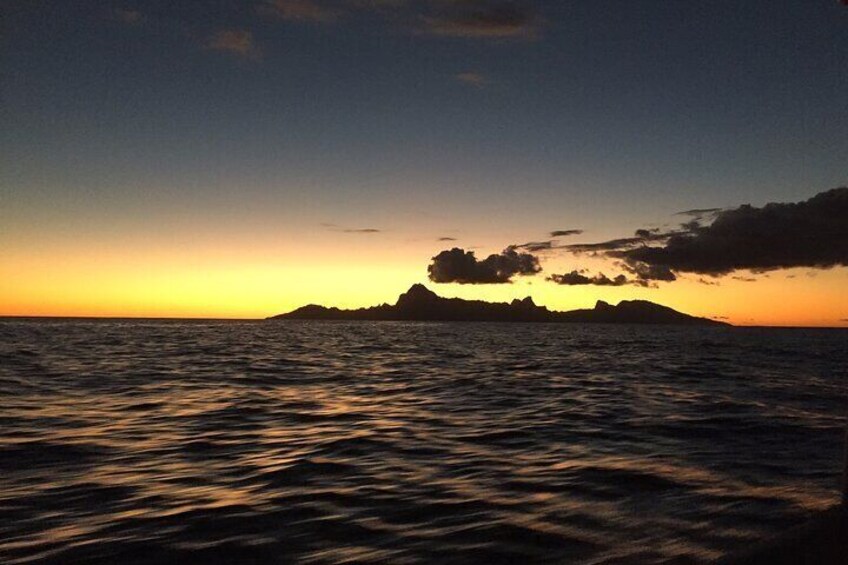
<point x="811" y="234"/>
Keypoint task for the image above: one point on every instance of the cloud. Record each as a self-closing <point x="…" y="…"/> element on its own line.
<point x="534" y="246"/>
<point x="700" y="212"/>
<point x="378" y="4"/>
<point x="641" y="238"/>
<point x="606" y="246"/>
<point x="565" y="233"/>
<point x="130" y="17"/>
<point x="645" y="272"/>
<point x="812" y="233"/>
<point x="446" y="239"/>
<point x="472" y="79"/>
<point x="548" y="244"/>
<point x="459" y="266"/>
<point x="647" y="233"/>
<point x="341" y="229"/>
<point x="235" y="41"/>
<point x="486" y="19"/>
<point x="575" y="278"/>
<point x="302" y="10"/>
<point x="481" y="19"/>
<point x="329" y="11"/>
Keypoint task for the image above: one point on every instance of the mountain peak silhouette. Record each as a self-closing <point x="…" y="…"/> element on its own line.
<point x="526" y="302"/>
<point x="419" y="303"/>
<point x="417" y="293"/>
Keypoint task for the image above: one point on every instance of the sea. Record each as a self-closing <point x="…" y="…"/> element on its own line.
<point x="132" y="441"/>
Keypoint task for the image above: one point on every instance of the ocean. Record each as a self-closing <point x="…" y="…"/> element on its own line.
<point x="389" y="442"/>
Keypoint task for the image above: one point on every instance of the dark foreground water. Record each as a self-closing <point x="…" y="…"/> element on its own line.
<point x="224" y="442"/>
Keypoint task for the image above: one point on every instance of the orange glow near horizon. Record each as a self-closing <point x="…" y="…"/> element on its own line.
<point x="216" y="281"/>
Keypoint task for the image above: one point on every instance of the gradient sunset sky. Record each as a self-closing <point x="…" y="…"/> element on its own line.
<point x="243" y="158"/>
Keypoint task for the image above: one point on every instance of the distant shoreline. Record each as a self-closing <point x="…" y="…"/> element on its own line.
<point x="422" y="304"/>
<point x="8" y="318"/>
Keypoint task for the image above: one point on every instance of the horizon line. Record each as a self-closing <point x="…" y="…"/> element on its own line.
<point x="4" y="317"/>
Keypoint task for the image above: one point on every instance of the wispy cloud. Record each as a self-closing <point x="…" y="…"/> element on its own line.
<point x="343" y="229"/>
<point x="237" y="42"/>
<point x="471" y="78"/>
<point x="303" y="10"/>
<point x="698" y="212"/>
<point x="565" y="233"/>
<point x="481" y="19"/>
<point x="446" y="239"/>
<point x="535" y="246"/>
<point x="128" y="16"/>
<point x="453" y="18"/>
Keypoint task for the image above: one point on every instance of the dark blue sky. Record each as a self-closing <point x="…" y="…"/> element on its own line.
<point x="724" y="100"/>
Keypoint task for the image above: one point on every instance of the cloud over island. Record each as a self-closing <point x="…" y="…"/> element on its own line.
<point x="459" y="266"/>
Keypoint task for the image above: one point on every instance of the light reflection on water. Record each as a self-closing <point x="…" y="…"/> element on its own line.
<point x="140" y="442"/>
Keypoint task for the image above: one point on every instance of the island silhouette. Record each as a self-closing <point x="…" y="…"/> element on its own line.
<point x="422" y="304"/>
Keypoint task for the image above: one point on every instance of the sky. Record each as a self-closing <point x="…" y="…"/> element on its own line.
<point x="243" y="158"/>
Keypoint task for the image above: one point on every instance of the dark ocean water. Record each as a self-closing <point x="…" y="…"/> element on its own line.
<point x="252" y="442"/>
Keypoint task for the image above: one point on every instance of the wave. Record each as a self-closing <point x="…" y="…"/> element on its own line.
<point x="217" y="442"/>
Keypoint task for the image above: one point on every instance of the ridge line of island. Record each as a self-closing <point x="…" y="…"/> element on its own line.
<point x="420" y="304"/>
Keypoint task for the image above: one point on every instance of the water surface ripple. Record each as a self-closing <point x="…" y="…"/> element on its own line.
<point x="311" y="442"/>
